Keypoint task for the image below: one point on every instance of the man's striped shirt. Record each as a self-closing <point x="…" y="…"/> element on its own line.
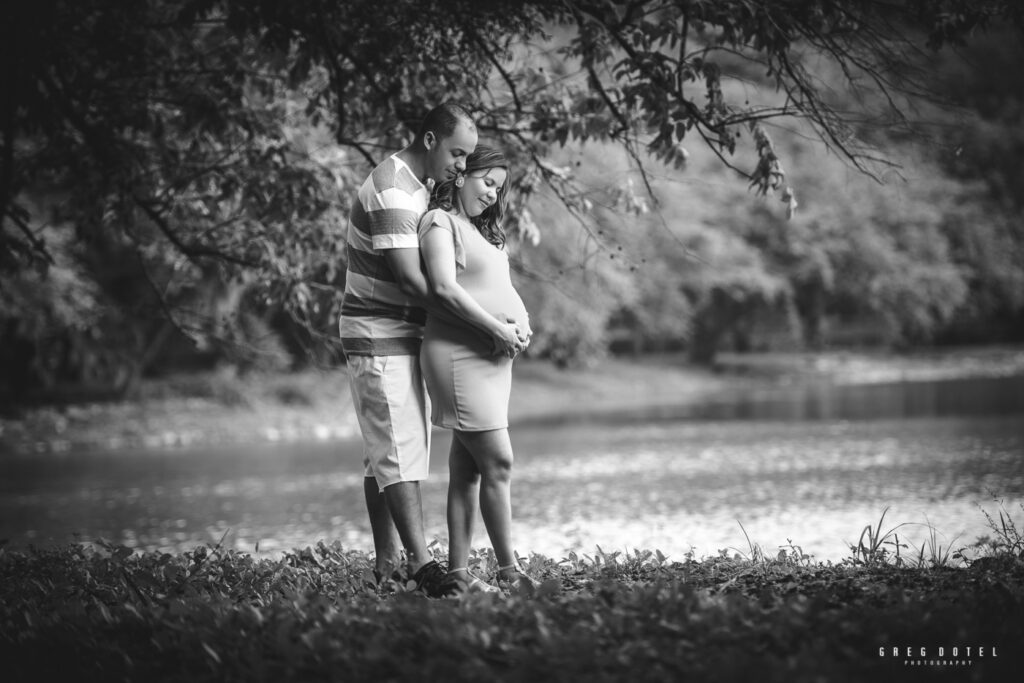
<point x="377" y="319"/>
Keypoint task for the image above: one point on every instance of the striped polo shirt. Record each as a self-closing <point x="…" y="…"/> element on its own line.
<point x="376" y="318"/>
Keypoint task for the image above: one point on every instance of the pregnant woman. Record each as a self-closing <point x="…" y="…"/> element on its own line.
<point x="463" y="248"/>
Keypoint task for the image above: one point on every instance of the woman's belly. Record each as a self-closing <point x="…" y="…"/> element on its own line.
<point x="503" y="302"/>
<point x="500" y="301"/>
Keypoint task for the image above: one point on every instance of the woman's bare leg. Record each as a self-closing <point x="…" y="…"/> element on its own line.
<point x="463" y="490"/>
<point x="492" y="453"/>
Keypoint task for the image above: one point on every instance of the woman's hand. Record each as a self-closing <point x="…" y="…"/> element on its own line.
<point x="507" y="339"/>
<point x="523" y="330"/>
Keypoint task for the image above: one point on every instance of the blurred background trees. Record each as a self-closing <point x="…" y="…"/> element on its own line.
<point x="176" y="175"/>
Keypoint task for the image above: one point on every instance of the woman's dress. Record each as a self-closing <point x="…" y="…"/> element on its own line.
<point x="469" y="387"/>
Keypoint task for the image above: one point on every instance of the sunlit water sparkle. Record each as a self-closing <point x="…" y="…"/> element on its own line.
<point x="646" y="481"/>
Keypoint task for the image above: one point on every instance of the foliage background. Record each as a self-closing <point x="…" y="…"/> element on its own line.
<point x="176" y="175"/>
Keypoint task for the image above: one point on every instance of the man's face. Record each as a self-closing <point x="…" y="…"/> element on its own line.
<point x="447" y="156"/>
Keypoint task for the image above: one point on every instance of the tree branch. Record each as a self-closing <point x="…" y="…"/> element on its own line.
<point x="505" y="75"/>
<point x="595" y="83"/>
<point x="38" y="245"/>
<point x="192" y="251"/>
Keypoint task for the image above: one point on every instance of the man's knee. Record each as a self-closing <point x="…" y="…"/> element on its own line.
<point x="403" y="496"/>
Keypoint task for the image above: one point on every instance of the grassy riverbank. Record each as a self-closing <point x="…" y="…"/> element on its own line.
<point x="107" y="614"/>
<point x="100" y="612"/>
<point x="225" y="408"/>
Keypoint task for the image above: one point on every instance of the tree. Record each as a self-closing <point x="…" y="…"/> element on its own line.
<point x="187" y="133"/>
<point x="168" y="152"/>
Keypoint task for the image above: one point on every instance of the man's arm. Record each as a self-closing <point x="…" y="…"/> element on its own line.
<point x="412" y="281"/>
<point x="405" y="264"/>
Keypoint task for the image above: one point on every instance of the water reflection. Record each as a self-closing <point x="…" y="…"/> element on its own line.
<point x="678" y="485"/>
<point x="825" y="401"/>
<point x="664" y="479"/>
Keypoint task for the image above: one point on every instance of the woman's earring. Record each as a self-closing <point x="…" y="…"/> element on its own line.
<point x="460" y="180"/>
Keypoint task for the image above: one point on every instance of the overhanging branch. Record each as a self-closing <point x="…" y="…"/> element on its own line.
<point x="190" y="250"/>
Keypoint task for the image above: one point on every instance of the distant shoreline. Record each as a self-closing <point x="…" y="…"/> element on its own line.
<point x="667" y="379"/>
<point x="222" y="408"/>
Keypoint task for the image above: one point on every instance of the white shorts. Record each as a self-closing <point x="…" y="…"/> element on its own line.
<point x="393" y="409"/>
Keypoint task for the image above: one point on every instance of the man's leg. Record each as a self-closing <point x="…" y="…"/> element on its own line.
<point x="408" y="464"/>
<point x="393" y="417"/>
<point x="406" y="509"/>
<point x="386" y="542"/>
<point x="406" y="429"/>
<point x="365" y="379"/>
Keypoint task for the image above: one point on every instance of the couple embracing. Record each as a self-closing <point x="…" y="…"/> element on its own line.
<point x="430" y="324"/>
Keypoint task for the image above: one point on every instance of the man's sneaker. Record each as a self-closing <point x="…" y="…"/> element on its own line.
<point x="433" y="581"/>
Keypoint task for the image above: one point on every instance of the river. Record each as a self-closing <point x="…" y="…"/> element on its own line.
<point x="808" y="466"/>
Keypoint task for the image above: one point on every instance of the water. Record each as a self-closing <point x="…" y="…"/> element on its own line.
<point x="808" y="466"/>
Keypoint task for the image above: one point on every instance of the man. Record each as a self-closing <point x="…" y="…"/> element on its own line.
<point x="381" y="327"/>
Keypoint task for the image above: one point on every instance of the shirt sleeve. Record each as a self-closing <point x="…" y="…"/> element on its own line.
<point x="437" y="219"/>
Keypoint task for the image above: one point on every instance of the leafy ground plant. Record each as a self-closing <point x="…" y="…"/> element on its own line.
<point x="1008" y="538"/>
<point x="933" y="553"/>
<point x="316" y="614"/>
<point x="871" y="550"/>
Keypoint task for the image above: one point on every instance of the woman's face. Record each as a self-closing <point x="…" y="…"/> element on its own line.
<point x="481" y="190"/>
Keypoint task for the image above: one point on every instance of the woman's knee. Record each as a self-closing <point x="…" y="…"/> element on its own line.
<point x="465" y="476"/>
<point x="463" y="470"/>
<point x="497" y="466"/>
<point x="492" y="453"/>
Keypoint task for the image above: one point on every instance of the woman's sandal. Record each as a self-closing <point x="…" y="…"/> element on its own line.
<point x="519" y="584"/>
<point x="472" y="585"/>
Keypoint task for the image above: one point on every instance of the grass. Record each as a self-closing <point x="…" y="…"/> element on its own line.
<point x="1008" y="539"/>
<point x="107" y="613"/>
<point x="212" y="614"/>
<point x="871" y="547"/>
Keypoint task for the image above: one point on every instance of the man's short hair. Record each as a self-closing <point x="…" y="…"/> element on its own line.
<point x="443" y="119"/>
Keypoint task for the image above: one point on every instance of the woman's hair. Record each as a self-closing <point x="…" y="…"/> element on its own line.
<point x="489" y="221"/>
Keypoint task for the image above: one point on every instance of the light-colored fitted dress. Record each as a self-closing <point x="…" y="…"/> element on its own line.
<point x="469" y="387"/>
